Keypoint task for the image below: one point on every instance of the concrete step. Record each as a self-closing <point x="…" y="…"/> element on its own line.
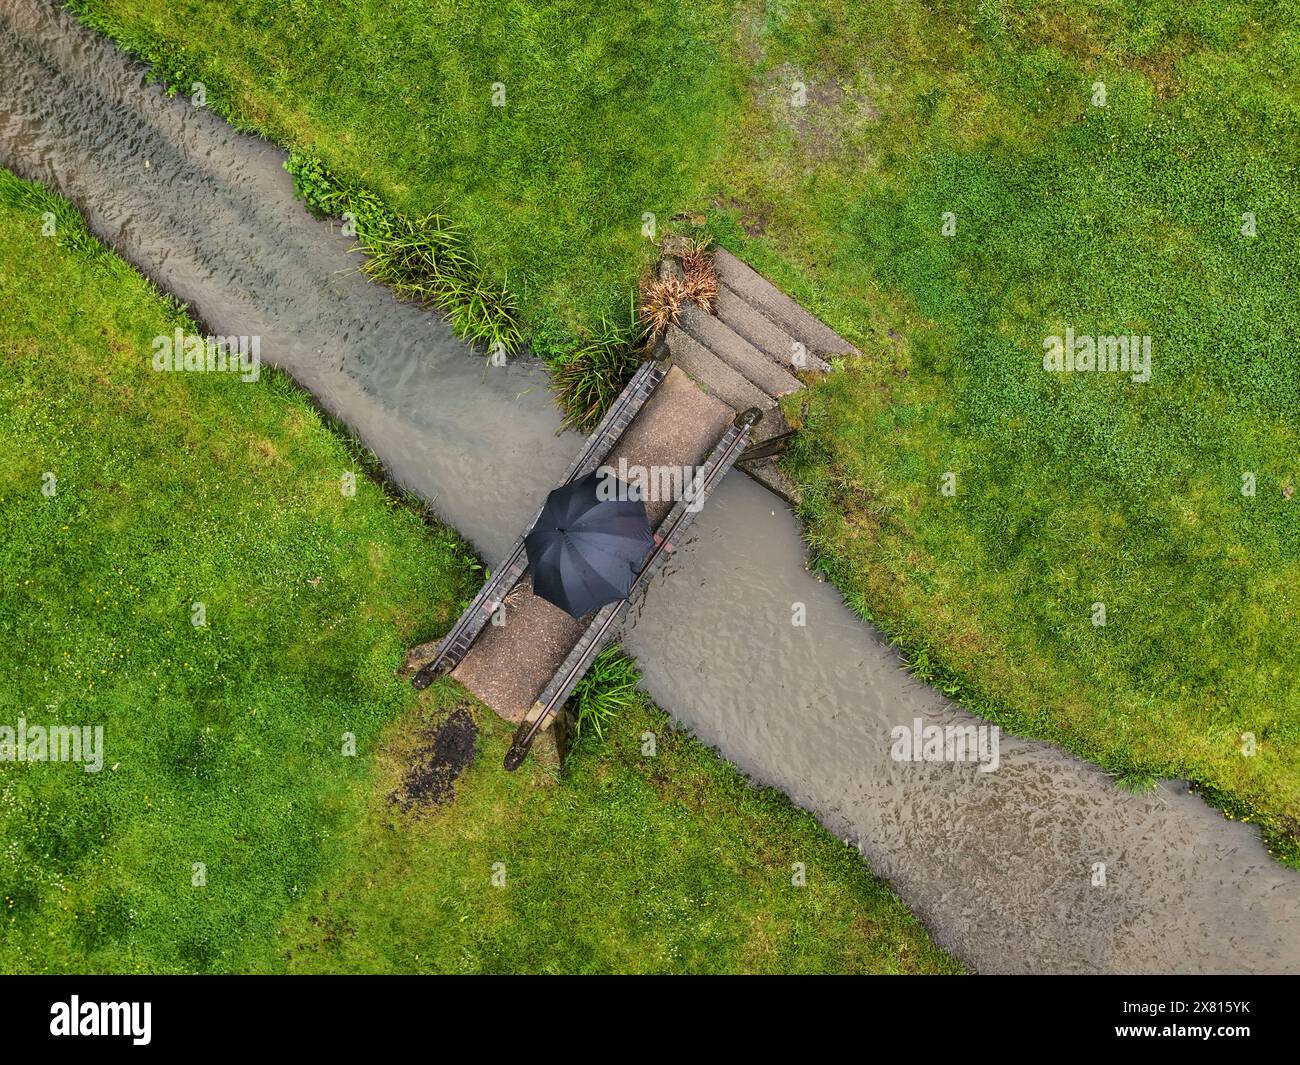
<point x="773" y="423"/>
<point x="713" y="374"/>
<point x="728" y="385"/>
<point x="779" y="308"/>
<point x="769" y="474"/>
<point x="764" y="334"/>
<point x="736" y="351"/>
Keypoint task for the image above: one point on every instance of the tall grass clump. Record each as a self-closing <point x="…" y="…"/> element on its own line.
<point x="425" y="259"/>
<point x="588" y="372"/>
<point x="700" y="277"/>
<point x="608" y="689"/>
<point x="662" y="295"/>
<point x="661" y="302"/>
<point x="69" y="228"/>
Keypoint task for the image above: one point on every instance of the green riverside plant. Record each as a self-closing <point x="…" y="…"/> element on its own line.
<point x="424" y="259"/>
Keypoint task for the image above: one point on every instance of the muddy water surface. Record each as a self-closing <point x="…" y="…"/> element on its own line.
<point x="1000" y="865"/>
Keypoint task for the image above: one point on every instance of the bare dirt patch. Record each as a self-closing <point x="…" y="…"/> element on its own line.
<point x="1161" y="69"/>
<point x="752" y="218"/>
<point x="825" y="115"/>
<point x="441" y="754"/>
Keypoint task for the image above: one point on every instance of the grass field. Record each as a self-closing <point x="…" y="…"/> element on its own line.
<point x="1107" y="215"/>
<point x="128" y="496"/>
<point x="1114" y="213"/>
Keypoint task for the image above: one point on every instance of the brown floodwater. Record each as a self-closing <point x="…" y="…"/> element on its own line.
<point x="1004" y="867"/>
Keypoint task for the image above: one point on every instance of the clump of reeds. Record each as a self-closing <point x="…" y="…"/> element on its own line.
<point x="425" y="259"/>
<point x="591" y="375"/>
<point x="608" y="688"/>
<point x="661" y="301"/>
<point x="663" y="296"/>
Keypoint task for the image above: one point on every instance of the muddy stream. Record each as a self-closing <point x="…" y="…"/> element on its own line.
<point x="999" y="865"/>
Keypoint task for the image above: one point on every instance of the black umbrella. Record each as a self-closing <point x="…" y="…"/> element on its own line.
<point x="587" y="545"/>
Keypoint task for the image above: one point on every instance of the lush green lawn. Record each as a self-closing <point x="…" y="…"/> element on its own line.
<point x="224" y="744"/>
<point x="627" y="864"/>
<point x="1072" y="489"/>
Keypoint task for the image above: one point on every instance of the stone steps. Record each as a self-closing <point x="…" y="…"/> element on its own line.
<point x="747" y="351"/>
<point x="773" y="341"/>
<point x="737" y="352"/>
<point x="778" y="308"/>
<point x="729" y="385"/>
<point x="725" y="383"/>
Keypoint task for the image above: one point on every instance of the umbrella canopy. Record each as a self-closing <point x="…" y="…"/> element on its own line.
<point x="587" y="545"/>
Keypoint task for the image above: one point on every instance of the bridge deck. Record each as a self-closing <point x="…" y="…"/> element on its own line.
<point x="508" y="665"/>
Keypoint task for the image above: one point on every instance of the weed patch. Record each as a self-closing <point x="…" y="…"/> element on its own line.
<point x="426" y="259"/>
